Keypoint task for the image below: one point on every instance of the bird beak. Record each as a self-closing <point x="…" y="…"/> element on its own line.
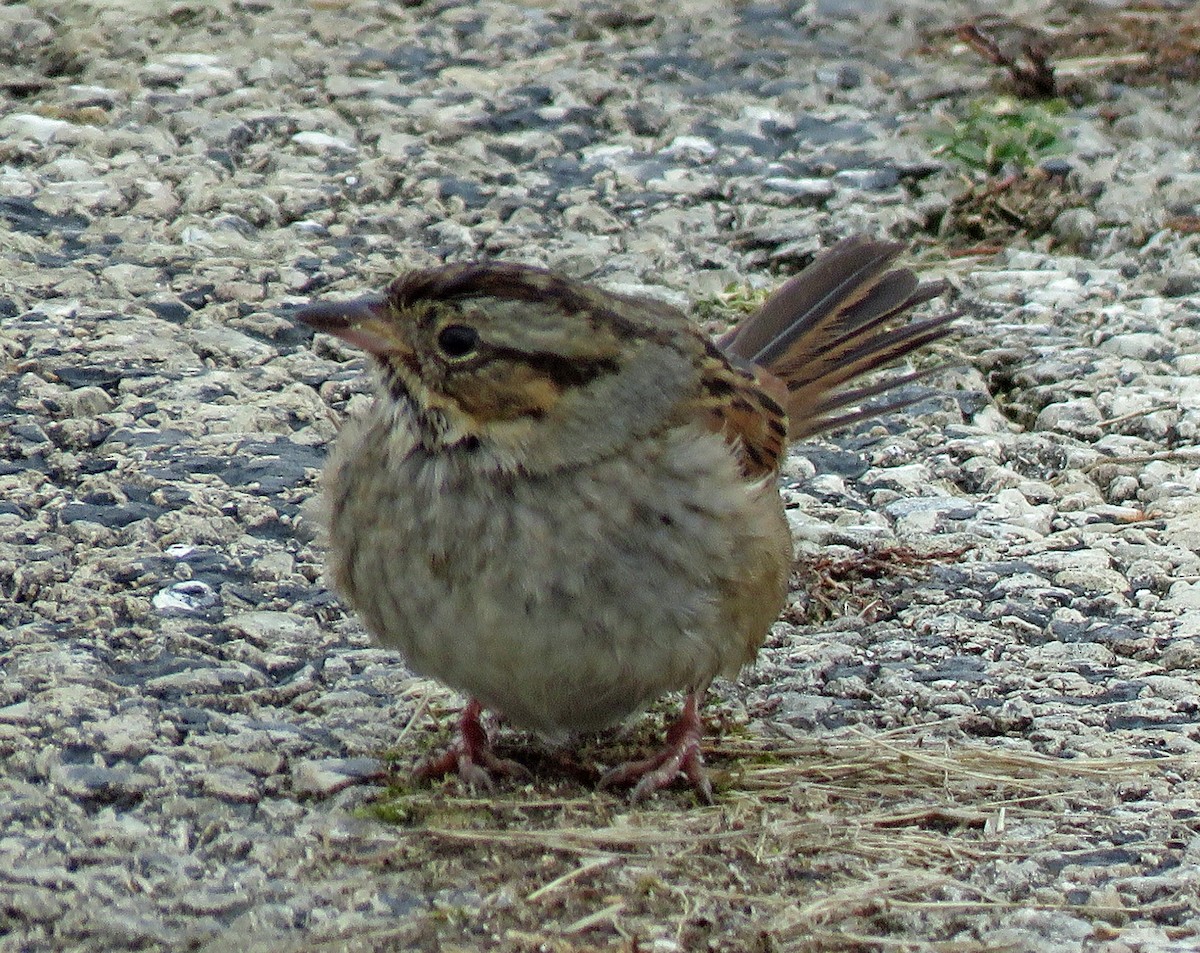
<point x="362" y="322"/>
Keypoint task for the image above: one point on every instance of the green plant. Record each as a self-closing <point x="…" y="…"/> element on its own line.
<point x="995" y="133"/>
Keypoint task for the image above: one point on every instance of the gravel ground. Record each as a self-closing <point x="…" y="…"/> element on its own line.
<point x="976" y="727"/>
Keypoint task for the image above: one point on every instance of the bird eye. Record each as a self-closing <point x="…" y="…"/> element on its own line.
<point x="458" y="340"/>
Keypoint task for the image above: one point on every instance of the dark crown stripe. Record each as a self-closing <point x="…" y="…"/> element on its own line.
<point x="449" y="283"/>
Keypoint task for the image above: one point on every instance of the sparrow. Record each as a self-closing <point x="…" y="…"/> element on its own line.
<point x="563" y="502"/>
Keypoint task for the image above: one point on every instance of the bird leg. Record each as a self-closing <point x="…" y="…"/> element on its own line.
<point x="681" y="755"/>
<point x="470" y="755"/>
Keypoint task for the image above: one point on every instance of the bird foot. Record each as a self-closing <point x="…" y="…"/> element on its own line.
<point x="680" y="756"/>
<point x="470" y="756"/>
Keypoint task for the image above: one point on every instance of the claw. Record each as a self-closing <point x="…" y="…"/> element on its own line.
<point x="470" y="756"/>
<point x="681" y="755"/>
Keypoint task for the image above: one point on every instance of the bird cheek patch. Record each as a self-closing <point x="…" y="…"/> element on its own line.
<point x="509" y="393"/>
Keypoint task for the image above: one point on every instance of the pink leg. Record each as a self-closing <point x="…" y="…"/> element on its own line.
<point x="470" y="756"/>
<point x="681" y="755"/>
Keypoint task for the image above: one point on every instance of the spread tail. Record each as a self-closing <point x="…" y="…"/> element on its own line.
<point x="840" y="318"/>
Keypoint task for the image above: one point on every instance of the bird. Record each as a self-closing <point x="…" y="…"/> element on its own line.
<point x="563" y="501"/>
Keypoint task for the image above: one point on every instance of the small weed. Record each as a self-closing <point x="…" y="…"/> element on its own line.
<point x="998" y="133"/>
<point x="729" y="306"/>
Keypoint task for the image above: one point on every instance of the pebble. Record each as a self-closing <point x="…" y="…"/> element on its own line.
<point x="191" y="596"/>
<point x="328" y="776"/>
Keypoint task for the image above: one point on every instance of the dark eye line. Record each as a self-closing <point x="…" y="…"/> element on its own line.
<point x="563" y="371"/>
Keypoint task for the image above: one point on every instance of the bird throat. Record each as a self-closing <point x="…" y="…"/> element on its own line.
<point x="431" y="425"/>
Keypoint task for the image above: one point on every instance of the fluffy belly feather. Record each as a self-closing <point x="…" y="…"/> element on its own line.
<point x="465" y="575"/>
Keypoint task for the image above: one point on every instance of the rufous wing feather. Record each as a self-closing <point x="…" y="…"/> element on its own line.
<point x="745" y="405"/>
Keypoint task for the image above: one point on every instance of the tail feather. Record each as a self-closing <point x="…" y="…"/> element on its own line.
<point x="850" y="357"/>
<point x="840" y="278"/>
<point x="820" y="417"/>
<point x="871" y="309"/>
<point x="835" y="321"/>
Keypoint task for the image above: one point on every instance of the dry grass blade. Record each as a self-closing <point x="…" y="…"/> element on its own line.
<point x="857" y="898"/>
<point x="623" y="840"/>
<point x="585" y="869"/>
<point x="846" y="843"/>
